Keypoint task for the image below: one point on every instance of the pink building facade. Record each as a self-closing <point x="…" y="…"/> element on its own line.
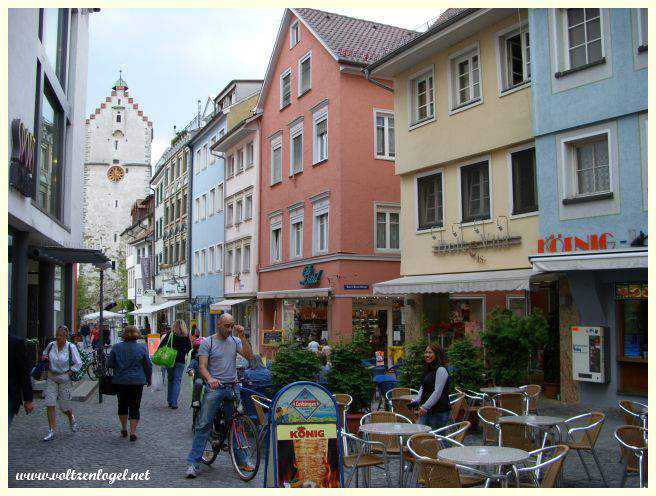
<point x="329" y="197"/>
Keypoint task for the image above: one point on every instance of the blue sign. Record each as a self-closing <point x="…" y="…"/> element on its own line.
<point x="356" y="286"/>
<point x="310" y="277"/>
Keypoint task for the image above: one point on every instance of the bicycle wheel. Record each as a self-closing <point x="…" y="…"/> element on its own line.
<point x="91" y="373"/>
<point x="244" y="447"/>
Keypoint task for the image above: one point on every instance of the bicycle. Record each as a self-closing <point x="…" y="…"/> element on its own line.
<point x="241" y="435"/>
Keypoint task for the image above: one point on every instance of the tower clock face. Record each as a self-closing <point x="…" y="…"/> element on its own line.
<point x="115" y="173"/>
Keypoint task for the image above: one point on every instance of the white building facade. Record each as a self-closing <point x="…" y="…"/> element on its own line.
<point x="116" y="174"/>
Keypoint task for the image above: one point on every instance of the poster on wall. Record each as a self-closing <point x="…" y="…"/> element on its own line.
<point x="305" y="444"/>
<point x="153" y="343"/>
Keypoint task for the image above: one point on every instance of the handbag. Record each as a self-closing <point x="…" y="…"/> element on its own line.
<point x="107" y="386"/>
<point x="166" y="355"/>
<point x="38" y="372"/>
<point x="75" y="375"/>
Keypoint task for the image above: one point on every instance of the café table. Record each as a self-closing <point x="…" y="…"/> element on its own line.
<point x="399" y="429"/>
<point x="485" y="457"/>
<point x="494" y="391"/>
<point x="409" y="397"/>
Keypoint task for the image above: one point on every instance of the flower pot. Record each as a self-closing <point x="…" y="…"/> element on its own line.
<point x="551" y="390"/>
<point x="353" y="422"/>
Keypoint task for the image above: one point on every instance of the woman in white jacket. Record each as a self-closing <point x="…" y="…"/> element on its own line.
<point x="63" y="360"/>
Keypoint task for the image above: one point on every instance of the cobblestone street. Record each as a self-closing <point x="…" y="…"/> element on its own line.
<point x="165" y="439"/>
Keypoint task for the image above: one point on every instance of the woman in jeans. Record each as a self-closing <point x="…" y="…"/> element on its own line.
<point x="433" y="403"/>
<point x="63" y="360"/>
<point x="182" y="344"/>
<point x="132" y="369"/>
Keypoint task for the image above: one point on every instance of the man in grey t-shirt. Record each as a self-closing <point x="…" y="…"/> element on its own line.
<point x="217" y="363"/>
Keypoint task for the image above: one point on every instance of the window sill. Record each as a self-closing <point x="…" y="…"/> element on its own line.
<point x="418" y="124"/>
<point x="642" y="48"/>
<point x="525" y="214"/>
<point x="517" y="87"/>
<point x="303" y="93"/>
<point x="561" y="74"/>
<point x="465" y="106"/>
<point x="588" y="198"/>
<point x="320" y="161"/>
<point x="429" y="230"/>
<point x="283" y="107"/>
<point x="475" y="222"/>
<point x="276" y="183"/>
<point x="296" y="173"/>
<point x="382" y="157"/>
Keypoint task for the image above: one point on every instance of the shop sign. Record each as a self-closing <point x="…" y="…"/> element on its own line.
<point x="630" y="291"/>
<point x="23" y="146"/>
<point x="305" y="445"/>
<point x="356" y="286"/>
<point x="153" y="343"/>
<point x="272" y="337"/>
<point x="557" y="243"/>
<point x="310" y="277"/>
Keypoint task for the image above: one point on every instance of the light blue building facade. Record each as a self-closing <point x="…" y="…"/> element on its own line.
<point x="589" y="111"/>
<point x="207" y="222"/>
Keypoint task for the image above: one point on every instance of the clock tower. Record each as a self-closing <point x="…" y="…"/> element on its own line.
<point x="116" y="174"/>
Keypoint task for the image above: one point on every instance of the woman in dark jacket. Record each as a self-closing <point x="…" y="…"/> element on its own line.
<point x="132" y="369"/>
<point x="434" y="407"/>
<point x="182" y="344"/>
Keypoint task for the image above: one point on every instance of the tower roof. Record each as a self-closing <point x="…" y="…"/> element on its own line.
<point x="120" y="83"/>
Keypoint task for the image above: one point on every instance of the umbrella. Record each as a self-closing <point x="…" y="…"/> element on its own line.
<point x="106" y="315"/>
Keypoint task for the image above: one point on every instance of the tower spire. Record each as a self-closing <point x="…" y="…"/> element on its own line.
<point x="120" y="83"/>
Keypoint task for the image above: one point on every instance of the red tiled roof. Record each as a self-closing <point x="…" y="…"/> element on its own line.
<point x="356" y="41"/>
<point x="446" y="15"/>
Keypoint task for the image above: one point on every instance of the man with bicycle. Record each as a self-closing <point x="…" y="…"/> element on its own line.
<point x="217" y="362"/>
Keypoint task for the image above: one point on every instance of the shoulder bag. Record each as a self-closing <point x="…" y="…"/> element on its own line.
<point x="165" y="356"/>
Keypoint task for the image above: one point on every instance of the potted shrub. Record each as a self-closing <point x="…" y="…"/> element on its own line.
<point x="293" y="363"/>
<point x="465" y="369"/>
<point x="511" y="342"/>
<point x="412" y="367"/>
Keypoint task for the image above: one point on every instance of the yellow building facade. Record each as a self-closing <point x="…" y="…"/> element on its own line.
<point x="464" y="152"/>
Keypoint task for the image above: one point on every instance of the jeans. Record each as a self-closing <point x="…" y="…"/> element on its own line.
<point x="435" y="419"/>
<point x="175" y="378"/>
<point x="212" y="401"/>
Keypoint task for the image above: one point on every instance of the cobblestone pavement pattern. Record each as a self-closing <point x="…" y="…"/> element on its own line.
<point x="165" y="438"/>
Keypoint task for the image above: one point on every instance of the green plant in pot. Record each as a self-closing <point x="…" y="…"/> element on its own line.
<point x="511" y="342"/>
<point x="465" y="365"/>
<point x="293" y="363"/>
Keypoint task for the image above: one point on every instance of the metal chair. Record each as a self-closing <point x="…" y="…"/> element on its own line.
<point x="631" y="411"/>
<point x="632" y="440"/>
<point x="401" y="406"/>
<point x="397" y="392"/>
<point x="459" y="408"/>
<point x="584" y="437"/>
<point x="532" y="392"/>
<point x="384" y="384"/>
<point x="515" y="402"/>
<point x="262" y="407"/>
<point x="343" y="404"/>
<point x="543" y="473"/>
<point x="363" y="459"/>
<point x="489" y="416"/>
<point x="516" y="435"/>
<point x="457" y="431"/>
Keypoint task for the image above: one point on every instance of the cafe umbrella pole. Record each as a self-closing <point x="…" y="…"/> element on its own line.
<point x="100" y="351"/>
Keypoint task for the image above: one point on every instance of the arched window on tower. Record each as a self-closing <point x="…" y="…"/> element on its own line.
<point x="118" y="117"/>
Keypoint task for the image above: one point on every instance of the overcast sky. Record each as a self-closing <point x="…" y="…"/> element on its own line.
<point x="172" y="57"/>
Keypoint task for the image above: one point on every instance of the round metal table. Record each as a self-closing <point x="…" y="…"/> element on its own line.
<point x="399" y="429"/>
<point x="484" y="456"/>
<point x="501" y="390"/>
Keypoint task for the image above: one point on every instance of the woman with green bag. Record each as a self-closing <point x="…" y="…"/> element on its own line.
<point x="171" y="354"/>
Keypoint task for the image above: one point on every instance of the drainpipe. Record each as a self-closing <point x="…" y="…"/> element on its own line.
<point x="190" y="189"/>
<point x="367" y="75"/>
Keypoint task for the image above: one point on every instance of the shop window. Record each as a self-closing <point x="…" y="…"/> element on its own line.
<point x="632" y="306"/>
<point x="430" y="208"/>
<point x="524" y="187"/>
<point x="517" y="305"/>
<point x="475" y="191"/>
<point x="470" y="311"/>
<point x="50" y="156"/>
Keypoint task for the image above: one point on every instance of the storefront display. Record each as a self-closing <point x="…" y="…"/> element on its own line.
<point x="307" y="317"/>
<point x="632" y="306"/>
<point x="385" y="322"/>
<point x="470" y="312"/>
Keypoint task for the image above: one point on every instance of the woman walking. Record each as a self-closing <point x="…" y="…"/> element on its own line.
<point x="434" y="407"/>
<point x="182" y="345"/>
<point x="63" y="360"/>
<point x="132" y="369"/>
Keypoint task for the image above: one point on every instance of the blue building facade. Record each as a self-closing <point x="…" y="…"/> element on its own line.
<point x="207" y="221"/>
<point x="589" y="111"/>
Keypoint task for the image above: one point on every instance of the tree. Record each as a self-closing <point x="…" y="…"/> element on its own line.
<point x="85" y="300"/>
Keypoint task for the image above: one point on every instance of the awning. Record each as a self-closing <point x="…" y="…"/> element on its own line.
<point x="156" y="308"/>
<point x="294" y="293"/>
<point x="106" y="315"/>
<point x="468" y="282"/>
<point x="227" y="303"/>
<point x="597" y="260"/>
<point x="63" y="255"/>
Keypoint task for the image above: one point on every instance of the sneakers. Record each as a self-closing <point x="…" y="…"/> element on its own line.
<point x="74" y="426"/>
<point x="50" y="436"/>
<point x="195" y="404"/>
<point x="192" y="472"/>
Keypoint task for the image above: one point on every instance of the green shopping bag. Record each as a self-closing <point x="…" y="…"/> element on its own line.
<point x="165" y="356"/>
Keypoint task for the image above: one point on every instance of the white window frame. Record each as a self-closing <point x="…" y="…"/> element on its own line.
<point x="246" y="262"/>
<point x="229" y="215"/>
<point x="466" y="53"/>
<point x="218" y="260"/>
<point x="565" y="27"/>
<point x="502" y="57"/>
<point x="294" y="132"/>
<point x="275" y="223"/>
<point x="320" y="206"/>
<point x="237" y="260"/>
<point x="283" y="75"/>
<point x="197" y="210"/>
<point x="294" y="34"/>
<point x="484" y="158"/>
<point x="416" y="202"/>
<point x="239" y="167"/>
<point x="203" y="206"/>
<point x="219" y="197"/>
<point x="248" y="212"/>
<point x="203" y="261"/>
<point x="301" y="91"/>
<point x="511" y="195"/>
<point x="642" y="36"/>
<point x="250" y="161"/>
<point x="211" y="155"/>
<point x="239" y="211"/>
<point x="212" y="202"/>
<point x="515" y="297"/>
<point x="230" y="166"/>
<point x="196" y="263"/>
<point x="317" y="117"/>
<point x="198" y="165"/>
<point x="386" y="114"/>
<point x="570" y="157"/>
<point x="205" y="156"/>
<point x="413" y="107"/>
<point x="387" y="209"/>
<point x="210" y="260"/>
<point x="229" y="264"/>
<point x="296" y="216"/>
<point x="276" y="143"/>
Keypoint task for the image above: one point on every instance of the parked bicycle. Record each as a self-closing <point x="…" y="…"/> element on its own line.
<point x="91" y="362"/>
<point x="238" y="435"/>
